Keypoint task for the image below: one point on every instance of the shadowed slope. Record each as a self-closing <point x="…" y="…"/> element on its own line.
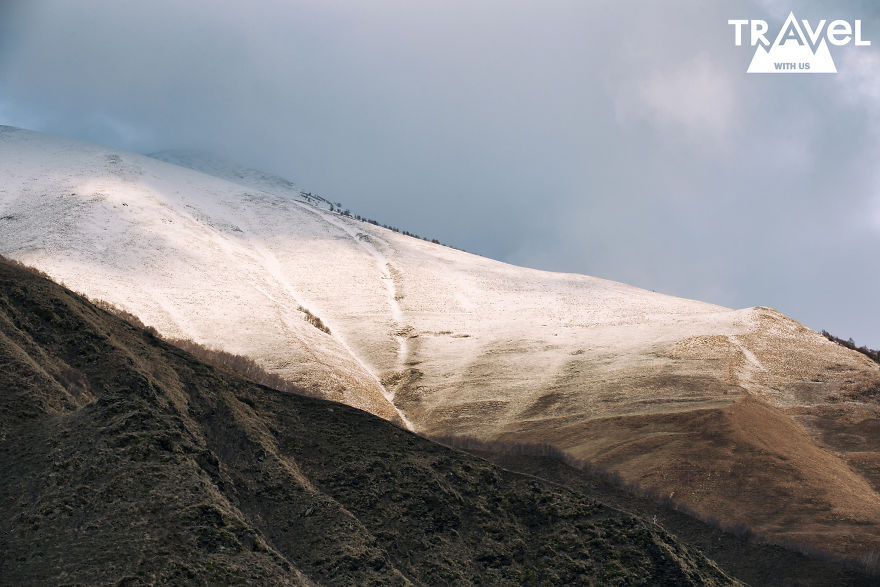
<point x="746" y="464"/>
<point x="736" y="551"/>
<point x="126" y="460"/>
<point x="454" y="344"/>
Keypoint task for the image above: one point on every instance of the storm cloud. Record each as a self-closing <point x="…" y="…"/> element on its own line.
<point x="616" y="139"/>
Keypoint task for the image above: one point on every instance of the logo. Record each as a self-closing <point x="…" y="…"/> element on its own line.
<point x="800" y="46"/>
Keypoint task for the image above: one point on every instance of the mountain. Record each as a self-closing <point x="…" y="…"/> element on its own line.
<point x="239" y="174"/>
<point x="127" y="461"/>
<point x="744" y="416"/>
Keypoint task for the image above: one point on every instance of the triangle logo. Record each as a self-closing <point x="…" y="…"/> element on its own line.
<point x="793" y="52"/>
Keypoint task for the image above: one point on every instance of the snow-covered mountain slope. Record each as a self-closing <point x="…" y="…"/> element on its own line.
<point x="248" y="177"/>
<point x="448" y="342"/>
<point x="173" y="247"/>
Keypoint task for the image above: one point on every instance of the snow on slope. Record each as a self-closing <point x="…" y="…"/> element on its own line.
<point x="454" y="344"/>
<point x="244" y="176"/>
<point x="459" y="342"/>
<point x="487" y="349"/>
<point x="169" y="245"/>
<point x="448" y="340"/>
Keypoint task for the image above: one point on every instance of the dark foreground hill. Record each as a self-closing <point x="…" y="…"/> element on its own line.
<point x="737" y="551"/>
<point x="124" y="460"/>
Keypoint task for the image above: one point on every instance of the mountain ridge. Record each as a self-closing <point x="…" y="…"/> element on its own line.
<point x="669" y="392"/>
<point x="126" y="460"/>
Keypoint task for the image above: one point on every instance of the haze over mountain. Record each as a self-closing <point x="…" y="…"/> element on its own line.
<point x="744" y="415"/>
<point x="572" y="136"/>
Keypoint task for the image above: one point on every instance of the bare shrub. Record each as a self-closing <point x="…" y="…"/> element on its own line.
<point x="237" y="364"/>
<point x="314" y="320"/>
<point x="123" y="314"/>
<point x="872" y="354"/>
<point x="21" y="265"/>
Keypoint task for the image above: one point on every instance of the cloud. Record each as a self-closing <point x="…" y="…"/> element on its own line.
<point x="696" y="98"/>
<point x="859" y="80"/>
<point x="860" y="83"/>
<point x="576" y="136"/>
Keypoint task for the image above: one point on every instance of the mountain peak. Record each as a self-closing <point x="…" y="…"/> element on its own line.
<point x="456" y="344"/>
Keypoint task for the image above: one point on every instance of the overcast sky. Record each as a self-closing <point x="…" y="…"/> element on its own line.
<point x="621" y="139"/>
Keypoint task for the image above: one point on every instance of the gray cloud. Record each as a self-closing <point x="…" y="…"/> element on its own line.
<point x="618" y="139"/>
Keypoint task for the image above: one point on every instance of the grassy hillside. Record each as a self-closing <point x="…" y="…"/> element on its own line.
<point x="745" y="416"/>
<point x="738" y="551"/>
<point x="125" y="460"/>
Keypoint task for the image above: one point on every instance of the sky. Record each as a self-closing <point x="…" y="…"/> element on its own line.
<point x="621" y="139"/>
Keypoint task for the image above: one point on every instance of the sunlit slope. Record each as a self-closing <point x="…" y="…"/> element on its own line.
<point x="124" y="460"/>
<point x="453" y="343"/>
<point x="181" y="250"/>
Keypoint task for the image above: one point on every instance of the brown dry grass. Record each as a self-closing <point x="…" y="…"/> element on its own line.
<point x="125" y="460"/>
<point x="747" y="464"/>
